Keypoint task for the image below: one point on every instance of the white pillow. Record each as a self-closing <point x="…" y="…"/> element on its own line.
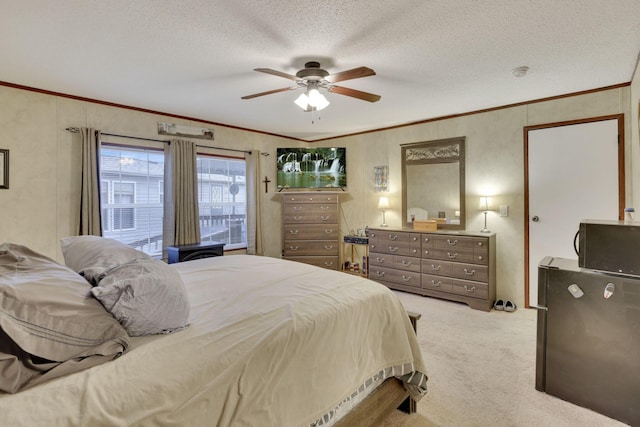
<point x="50" y="325"/>
<point x="147" y="297"/>
<point x="92" y="256"/>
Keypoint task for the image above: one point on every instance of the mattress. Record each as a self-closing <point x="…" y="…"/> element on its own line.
<point x="271" y="343"/>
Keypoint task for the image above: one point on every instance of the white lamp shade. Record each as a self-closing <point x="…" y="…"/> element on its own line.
<point x="302" y="101"/>
<point x="485" y="204"/>
<point x="383" y="203"/>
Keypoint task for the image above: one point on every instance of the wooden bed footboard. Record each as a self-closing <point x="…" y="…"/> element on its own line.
<point x="377" y="406"/>
<point x="389" y="396"/>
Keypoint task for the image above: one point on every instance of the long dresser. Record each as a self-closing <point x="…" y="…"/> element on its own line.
<point x="311" y="229"/>
<point x="457" y="266"/>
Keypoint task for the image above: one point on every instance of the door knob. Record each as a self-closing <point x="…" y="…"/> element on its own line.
<point x="535" y="218"/>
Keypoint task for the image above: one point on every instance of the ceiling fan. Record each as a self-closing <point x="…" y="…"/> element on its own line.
<point x="312" y="77"/>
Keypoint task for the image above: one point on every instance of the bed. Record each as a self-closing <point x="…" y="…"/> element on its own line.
<point x="269" y="342"/>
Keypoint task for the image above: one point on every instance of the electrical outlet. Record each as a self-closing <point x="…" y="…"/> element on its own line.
<point x="504" y="210"/>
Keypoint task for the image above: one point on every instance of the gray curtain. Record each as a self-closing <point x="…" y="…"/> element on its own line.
<point x="181" y="217"/>
<point x="254" y="204"/>
<point x="90" y="183"/>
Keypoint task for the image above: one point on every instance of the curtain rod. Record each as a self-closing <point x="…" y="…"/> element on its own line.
<point x="165" y="141"/>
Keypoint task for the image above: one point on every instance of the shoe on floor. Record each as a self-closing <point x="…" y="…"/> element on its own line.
<point x="498" y="305"/>
<point x="510" y="306"/>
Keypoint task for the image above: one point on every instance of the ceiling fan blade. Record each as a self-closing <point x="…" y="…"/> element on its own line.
<point x="255" y="95"/>
<point x="276" y="73"/>
<point x="365" y="96"/>
<point x="356" y="73"/>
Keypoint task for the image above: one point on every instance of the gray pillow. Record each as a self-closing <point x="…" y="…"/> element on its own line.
<point x="92" y="256"/>
<point x="147" y="297"/>
<point x="50" y="325"/>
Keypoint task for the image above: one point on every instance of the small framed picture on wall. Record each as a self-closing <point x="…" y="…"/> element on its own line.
<point x="4" y="168"/>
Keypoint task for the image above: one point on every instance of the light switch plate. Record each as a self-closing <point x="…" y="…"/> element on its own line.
<point x="504" y="210"/>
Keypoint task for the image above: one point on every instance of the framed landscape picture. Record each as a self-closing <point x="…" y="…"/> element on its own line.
<point x="4" y="168"/>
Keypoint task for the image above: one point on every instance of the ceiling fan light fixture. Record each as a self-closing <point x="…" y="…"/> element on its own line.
<point x="313" y="100"/>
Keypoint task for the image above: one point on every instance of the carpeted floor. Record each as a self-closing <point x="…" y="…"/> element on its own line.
<point x="481" y="369"/>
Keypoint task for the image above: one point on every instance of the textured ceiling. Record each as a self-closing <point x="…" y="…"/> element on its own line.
<point x="432" y="58"/>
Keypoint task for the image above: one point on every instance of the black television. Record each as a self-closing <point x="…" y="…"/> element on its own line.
<point x="322" y="167"/>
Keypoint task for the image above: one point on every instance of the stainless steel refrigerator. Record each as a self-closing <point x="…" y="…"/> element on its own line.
<point x="588" y="338"/>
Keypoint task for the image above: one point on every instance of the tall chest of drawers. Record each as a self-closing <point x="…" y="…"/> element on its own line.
<point x="311" y="229"/>
<point x="457" y="266"/>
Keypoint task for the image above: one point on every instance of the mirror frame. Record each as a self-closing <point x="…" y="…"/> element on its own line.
<point x="448" y="150"/>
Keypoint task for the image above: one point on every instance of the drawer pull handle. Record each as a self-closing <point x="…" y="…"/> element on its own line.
<point x="328" y="231"/>
<point x="480" y="243"/>
<point x="297" y="218"/>
<point x="297" y="208"/>
<point x="454" y="256"/>
<point x="469" y="273"/>
<point x="414" y="238"/>
<point x="310" y="199"/>
<point x="480" y="257"/>
<point x="325" y="208"/>
<point x="436" y="284"/>
<point x="379" y="273"/>
<point x="455" y="242"/>
<point x="469" y="289"/>
<point x="324" y="217"/>
<point x="328" y="247"/>
<point x="294" y="248"/>
<point x="294" y="232"/>
<point x="393" y="237"/>
<point x="393" y="249"/>
<point x="328" y="263"/>
<point x="435" y="267"/>
<point x="426" y="252"/>
<point x="426" y="239"/>
<point x="407" y="263"/>
<point x="378" y="259"/>
<point x="406" y="278"/>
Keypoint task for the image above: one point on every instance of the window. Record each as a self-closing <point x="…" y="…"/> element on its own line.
<point x="118" y="194"/>
<point x="222" y="197"/>
<point x="131" y="194"/>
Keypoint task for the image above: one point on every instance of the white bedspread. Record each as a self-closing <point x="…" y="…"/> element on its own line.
<point x="271" y="343"/>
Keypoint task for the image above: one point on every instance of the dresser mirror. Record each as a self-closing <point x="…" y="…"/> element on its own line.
<point x="433" y="183"/>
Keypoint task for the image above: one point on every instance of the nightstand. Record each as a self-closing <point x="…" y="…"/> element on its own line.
<point x="180" y="253"/>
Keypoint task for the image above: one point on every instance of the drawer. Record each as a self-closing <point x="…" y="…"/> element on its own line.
<point x="384" y="237"/>
<point x="436" y="283"/>
<point x="456" y="256"/>
<point x="470" y="272"/>
<point x="436" y="267"/>
<point x="406" y="278"/>
<point x="310" y="247"/>
<point x="311" y="232"/>
<point x="314" y="198"/>
<point x="402" y="263"/>
<point x="471" y="289"/>
<point x="449" y="255"/>
<point x="396" y="248"/>
<point x="405" y="263"/>
<point x="459" y="242"/>
<point x="380" y="260"/>
<point x="329" y="262"/>
<point x="316" y="216"/>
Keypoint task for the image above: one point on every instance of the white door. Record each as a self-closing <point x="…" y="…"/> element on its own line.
<point x="573" y="175"/>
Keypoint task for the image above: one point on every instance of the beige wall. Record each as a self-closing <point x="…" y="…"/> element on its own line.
<point x="38" y="208"/>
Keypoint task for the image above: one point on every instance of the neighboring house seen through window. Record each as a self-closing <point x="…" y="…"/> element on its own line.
<point x="131" y="197"/>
